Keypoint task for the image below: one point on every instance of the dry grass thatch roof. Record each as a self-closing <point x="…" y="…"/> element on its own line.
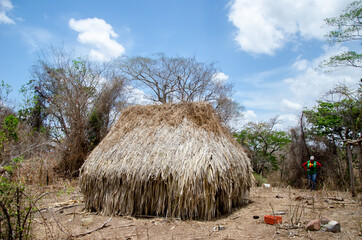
<point x="173" y="160"/>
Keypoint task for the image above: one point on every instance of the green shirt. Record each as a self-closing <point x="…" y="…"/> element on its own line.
<point x="312" y="167"/>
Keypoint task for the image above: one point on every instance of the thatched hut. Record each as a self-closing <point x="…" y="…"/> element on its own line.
<point x="173" y="160"/>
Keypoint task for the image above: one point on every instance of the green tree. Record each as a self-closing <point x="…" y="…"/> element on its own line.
<point x="33" y="111"/>
<point x="8" y="137"/>
<point x="347" y="27"/>
<point x="266" y="144"/>
<point x="340" y="120"/>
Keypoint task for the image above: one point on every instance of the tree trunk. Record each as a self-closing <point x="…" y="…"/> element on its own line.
<point x="350" y="168"/>
<point x="302" y="135"/>
<point x="304" y="154"/>
<point x="359" y="154"/>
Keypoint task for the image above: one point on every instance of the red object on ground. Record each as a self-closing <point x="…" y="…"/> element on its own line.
<point x="272" y="219"/>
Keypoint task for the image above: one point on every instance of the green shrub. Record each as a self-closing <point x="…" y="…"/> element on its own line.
<point x="259" y="179"/>
<point x="16" y="207"/>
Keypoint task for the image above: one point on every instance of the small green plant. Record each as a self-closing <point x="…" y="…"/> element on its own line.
<point x="68" y="189"/>
<point x="13" y="164"/>
<point x="259" y="179"/>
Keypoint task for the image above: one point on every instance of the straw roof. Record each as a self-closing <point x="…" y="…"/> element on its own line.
<point x="173" y="160"/>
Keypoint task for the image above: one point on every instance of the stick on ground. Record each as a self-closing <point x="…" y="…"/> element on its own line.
<point x="98" y="228"/>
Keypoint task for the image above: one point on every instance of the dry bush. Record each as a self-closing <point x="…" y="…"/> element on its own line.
<point x="39" y="170"/>
<point x="275" y="179"/>
<point x="333" y="171"/>
<point x="25" y="152"/>
<point x="26" y="144"/>
<point x="293" y="169"/>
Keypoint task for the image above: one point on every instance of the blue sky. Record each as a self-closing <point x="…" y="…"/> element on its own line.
<point x="269" y="50"/>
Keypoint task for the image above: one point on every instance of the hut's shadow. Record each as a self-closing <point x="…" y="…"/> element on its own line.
<point x="223" y="216"/>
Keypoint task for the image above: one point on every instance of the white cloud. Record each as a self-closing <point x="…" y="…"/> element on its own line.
<point x="286" y="97"/>
<point x="287" y="121"/>
<point x="99" y="35"/>
<point x="137" y="96"/>
<point x="220" y="77"/>
<point x="265" y="26"/>
<point x="311" y="84"/>
<point x="37" y="38"/>
<point x="238" y="122"/>
<point x="249" y="115"/>
<point x="301" y="64"/>
<point x="5" y="6"/>
<point x="288" y="106"/>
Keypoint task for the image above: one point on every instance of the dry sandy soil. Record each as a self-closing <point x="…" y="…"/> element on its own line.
<point x="62" y="217"/>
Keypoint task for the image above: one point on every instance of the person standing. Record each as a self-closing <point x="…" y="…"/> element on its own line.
<point x="311" y="167"/>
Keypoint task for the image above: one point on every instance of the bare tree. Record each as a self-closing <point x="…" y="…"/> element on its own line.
<point x="178" y="79"/>
<point x="152" y="74"/>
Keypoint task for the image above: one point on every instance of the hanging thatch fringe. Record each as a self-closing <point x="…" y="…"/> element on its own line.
<point x="173" y="160"/>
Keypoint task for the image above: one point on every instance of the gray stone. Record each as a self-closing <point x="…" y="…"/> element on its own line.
<point x="87" y="221"/>
<point x="333" y="226"/>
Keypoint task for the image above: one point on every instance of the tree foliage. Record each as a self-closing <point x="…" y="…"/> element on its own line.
<point x="339" y="119"/>
<point x="347" y="27"/>
<point x="345" y="59"/>
<point x="265" y="142"/>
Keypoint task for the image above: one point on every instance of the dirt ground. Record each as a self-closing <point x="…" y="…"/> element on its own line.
<point x="62" y="217"/>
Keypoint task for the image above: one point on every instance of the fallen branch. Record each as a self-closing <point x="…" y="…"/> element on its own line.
<point x="290" y="227"/>
<point x="65" y="207"/>
<point x="58" y="224"/>
<point x="46" y="226"/>
<point x="335" y="199"/>
<point x="353" y="203"/>
<point x="74" y="213"/>
<point x="98" y="228"/>
<point x="60" y="208"/>
<point x="129" y="225"/>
